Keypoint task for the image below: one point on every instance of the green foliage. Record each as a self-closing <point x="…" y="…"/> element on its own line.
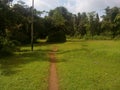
<point x="79" y="22"/>
<point x="20" y="37"/>
<point x="18" y="27"/>
<point x="81" y="25"/>
<point x="56" y="37"/>
<point x="6" y="47"/>
<point x="57" y="29"/>
<point x="110" y="21"/>
<point x="61" y="16"/>
<point x="58" y="19"/>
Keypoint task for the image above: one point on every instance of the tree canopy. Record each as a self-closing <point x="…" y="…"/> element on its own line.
<point x="15" y="23"/>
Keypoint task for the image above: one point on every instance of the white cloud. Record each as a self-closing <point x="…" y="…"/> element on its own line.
<point x="95" y="5"/>
<point x="46" y="4"/>
<point x="75" y="6"/>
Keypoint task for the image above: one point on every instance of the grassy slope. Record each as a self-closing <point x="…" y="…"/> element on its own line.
<point x="25" y="71"/>
<point x="89" y="65"/>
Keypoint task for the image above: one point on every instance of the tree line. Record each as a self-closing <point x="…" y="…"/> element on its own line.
<point x="15" y="24"/>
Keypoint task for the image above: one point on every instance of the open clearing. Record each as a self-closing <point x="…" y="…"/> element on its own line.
<point x="81" y="65"/>
<point x="89" y="65"/>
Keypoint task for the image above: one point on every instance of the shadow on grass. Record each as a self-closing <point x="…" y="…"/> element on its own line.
<point x="73" y="51"/>
<point x="84" y="48"/>
<point x="11" y="65"/>
<point x="47" y="43"/>
<point x="76" y="40"/>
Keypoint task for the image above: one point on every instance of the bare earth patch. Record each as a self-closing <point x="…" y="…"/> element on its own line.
<point x="53" y="79"/>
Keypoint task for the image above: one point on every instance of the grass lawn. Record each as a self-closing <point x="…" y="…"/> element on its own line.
<point x="26" y="70"/>
<point x="81" y="65"/>
<point x="89" y="65"/>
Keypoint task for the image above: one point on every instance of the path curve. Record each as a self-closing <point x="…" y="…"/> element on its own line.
<point x="53" y="79"/>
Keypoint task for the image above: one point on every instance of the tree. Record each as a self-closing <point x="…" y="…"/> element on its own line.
<point x="92" y="23"/>
<point x="57" y="33"/>
<point x="117" y="25"/>
<point x="109" y="18"/>
<point x="83" y="24"/>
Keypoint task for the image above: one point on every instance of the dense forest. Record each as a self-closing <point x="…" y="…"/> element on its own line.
<point x="59" y="24"/>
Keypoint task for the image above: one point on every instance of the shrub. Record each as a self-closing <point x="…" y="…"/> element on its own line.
<point x="6" y="47"/>
<point x="58" y="36"/>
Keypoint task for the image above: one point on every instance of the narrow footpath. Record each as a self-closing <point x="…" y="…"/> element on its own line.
<point x="53" y="79"/>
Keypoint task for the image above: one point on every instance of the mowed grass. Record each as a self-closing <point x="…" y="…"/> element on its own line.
<point x="89" y="65"/>
<point x="26" y="70"/>
<point x="81" y="65"/>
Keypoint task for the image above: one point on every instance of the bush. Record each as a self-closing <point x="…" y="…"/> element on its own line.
<point x="6" y="47"/>
<point x="87" y="37"/>
<point x="58" y="36"/>
<point x="21" y="37"/>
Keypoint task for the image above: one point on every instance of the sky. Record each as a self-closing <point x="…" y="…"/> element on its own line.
<point x="74" y="6"/>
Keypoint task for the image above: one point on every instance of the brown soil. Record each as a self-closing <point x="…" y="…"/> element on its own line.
<point x="53" y="79"/>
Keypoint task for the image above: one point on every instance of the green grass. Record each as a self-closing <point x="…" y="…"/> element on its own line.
<point x="81" y="65"/>
<point x="89" y="65"/>
<point x="26" y="70"/>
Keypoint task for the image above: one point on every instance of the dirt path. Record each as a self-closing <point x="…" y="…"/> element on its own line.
<point x="53" y="79"/>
